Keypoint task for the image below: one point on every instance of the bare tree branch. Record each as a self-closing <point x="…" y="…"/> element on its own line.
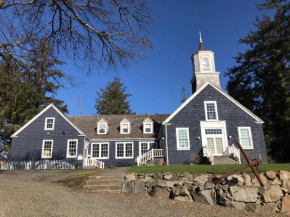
<point x="97" y="34"/>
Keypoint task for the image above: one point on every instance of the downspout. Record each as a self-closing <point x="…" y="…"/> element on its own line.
<point x="167" y="157"/>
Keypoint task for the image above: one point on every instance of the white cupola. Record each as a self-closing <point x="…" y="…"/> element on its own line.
<point x="203" y="68"/>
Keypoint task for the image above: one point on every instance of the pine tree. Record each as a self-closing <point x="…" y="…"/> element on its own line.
<point x="184" y="95"/>
<point x="25" y="91"/>
<point x="113" y="100"/>
<point x="261" y="79"/>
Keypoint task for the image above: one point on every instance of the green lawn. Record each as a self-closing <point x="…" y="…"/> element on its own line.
<point x="199" y="169"/>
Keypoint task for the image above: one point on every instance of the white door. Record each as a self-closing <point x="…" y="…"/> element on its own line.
<point x="144" y="147"/>
<point x="214" y="141"/>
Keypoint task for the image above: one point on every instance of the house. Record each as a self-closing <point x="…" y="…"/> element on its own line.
<point x="204" y="128"/>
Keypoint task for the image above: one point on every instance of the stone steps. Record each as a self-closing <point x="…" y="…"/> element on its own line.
<point x="218" y="160"/>
<point x="105" y="184"/>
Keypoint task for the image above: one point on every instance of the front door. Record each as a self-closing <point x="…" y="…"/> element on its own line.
<point x="214" y="141"/>
<point x="144" y="147"/>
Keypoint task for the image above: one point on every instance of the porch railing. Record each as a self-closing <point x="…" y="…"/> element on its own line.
<point x="94" y="162"/>
<point x="234" y="152"/>
<point x="143" y="159"/>
<point x="207" y="153"/>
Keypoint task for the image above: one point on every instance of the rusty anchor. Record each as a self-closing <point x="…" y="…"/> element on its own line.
<point x="253" y="164"/>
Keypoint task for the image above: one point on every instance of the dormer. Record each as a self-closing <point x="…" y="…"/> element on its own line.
<point x="148" y="126"/>
<point x="125" y="126"/>
<point x="203" y="68"/>
<point x="102" y="126"/>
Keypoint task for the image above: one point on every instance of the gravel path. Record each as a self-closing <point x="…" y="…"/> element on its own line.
<point x="35" y="193"/>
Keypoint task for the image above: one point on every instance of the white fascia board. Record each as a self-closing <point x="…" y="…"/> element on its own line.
<point x="102" y="120"/>
<point x="148" y="120"/>
<point x="258" y="120"/>
<point x="40" y="113"/>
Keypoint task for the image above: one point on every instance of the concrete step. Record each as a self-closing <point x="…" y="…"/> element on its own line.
<point x="106" y="178"/>
<point x="103" y="187"/>
<point x="103" y="182"/>
<point x="224" y="160"/>
<point x="103" y="191"/>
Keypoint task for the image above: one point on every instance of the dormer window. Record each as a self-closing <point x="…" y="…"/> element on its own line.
<point x="49" y="124"/>
<point x="205" y="64"/>
<point x="148" y="126"/>
<point x="125" y="126"/>
<point x="102" y="127"/>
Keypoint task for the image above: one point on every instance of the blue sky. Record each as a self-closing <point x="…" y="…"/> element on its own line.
<point x="156" y="82"/>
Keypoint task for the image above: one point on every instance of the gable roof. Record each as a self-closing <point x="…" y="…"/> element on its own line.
<point x="43" y="111"/>
<point x="88" y="125"/>
<point x="258" y="120"/>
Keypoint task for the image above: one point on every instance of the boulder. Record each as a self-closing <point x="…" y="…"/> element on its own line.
<point x="286" y="185"/>
<point x="157" y="175"/>
<point x="263" y="178"/>
<point x="209" y="185"/>
<point x="271" y="193"/>
<point x="236" y="205"/>
<point x="271" y="175"/>
<point x="139" y="187"/>
<point x="127" y="187"/>
<point x="286" y="204"/>
<point x="160" y="193"/>
<point x="130" y="177"/>
<point x="255" y="182"/>
<point x="235" y="179"/>
<point x="284" y="175"/>
<point x="276" y="181"/>
<point x="248" y="180"/>
<point x="188" y="176"/>
<point x="200" y="180"/>
<point x="272" y="207"/>
<point x="242" y="194"/>
<point x="253" y="207"/>
<point x="204" y="196"/>
<point x="168" y="176"/>
<point x="180" y="193"/>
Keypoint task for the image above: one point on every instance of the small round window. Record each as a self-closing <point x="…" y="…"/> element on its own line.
<point x="205" y="64"/>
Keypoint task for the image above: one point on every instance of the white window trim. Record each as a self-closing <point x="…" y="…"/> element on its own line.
<point x="124" y="147"/>
<point x="47" y="140"/>
<point x="250" y="134"/>
<point x="144" y="129"/>
<point x="129" y="128"/>
<point x="177" y="138"/>
<point x="106" y="126"/>
<point x="216" y="110"/>
<point x="148" y="146"/>
<point x="67" y="148"/>
<point x="45" y="126"/>
<point x="213" y="125"/>
<point x="100" y="150"/>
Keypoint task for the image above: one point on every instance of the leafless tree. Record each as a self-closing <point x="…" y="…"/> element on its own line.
<point x="95" y="33"/>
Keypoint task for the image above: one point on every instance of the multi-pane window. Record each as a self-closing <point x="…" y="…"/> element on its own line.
<point x="145" y="147"/>
<point x="47" y="149"/>
<point x="125" y="128"/>
<point x="102" y="128"/>
<point x="245" y="137"/>
<point x="72" y="147"/>
<point x="213" y="131"/>
<point x="182" y="136"/>
<point x="211" y="111"/>
<point x="100" y="150"/>
<point x="124" y="150"/>
<point x="49" y="124"/>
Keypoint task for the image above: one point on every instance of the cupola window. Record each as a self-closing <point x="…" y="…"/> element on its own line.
<point x="205" y="64"/>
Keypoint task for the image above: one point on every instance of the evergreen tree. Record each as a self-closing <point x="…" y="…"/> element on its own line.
<point x="184" y="95"/>
<point x="113" y="100"/>
<point x="25" y="91"/>
<point x="261" y="79"/>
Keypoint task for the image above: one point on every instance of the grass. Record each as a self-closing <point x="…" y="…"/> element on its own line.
<point x="79" y="178"/>
<point x="200" y="169"/>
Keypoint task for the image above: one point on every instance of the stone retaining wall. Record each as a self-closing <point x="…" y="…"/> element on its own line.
<point x="242" y="192"/>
